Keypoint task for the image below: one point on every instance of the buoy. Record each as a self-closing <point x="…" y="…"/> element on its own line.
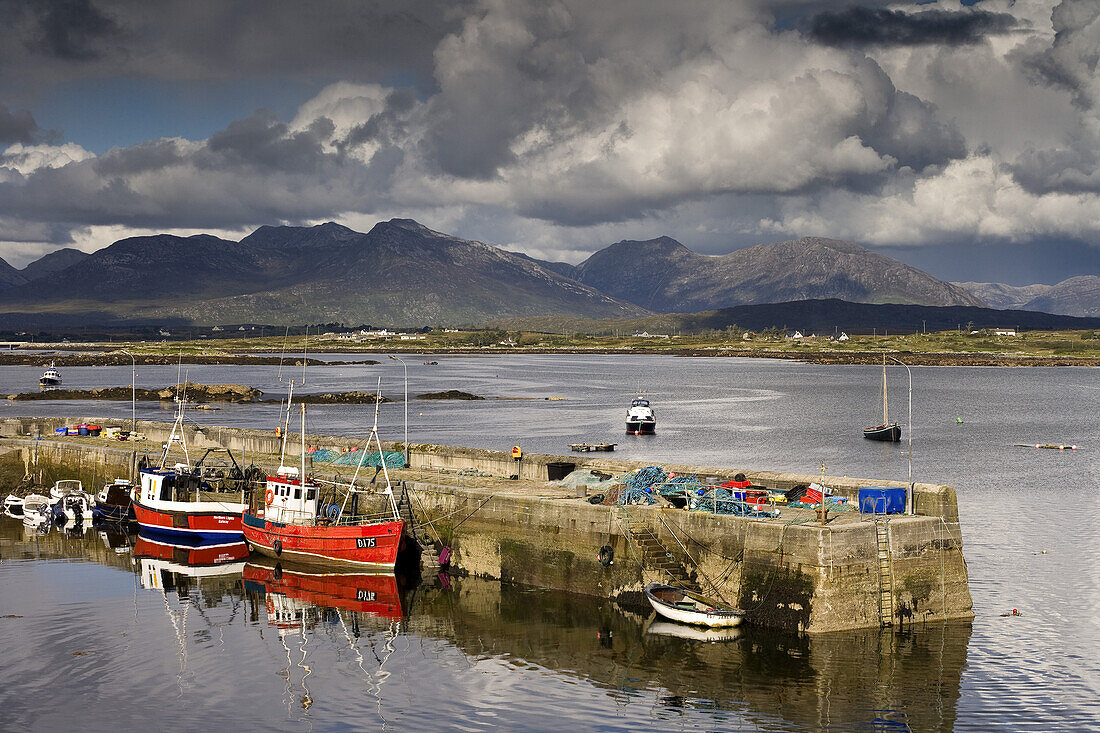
<point x="959" y="420"/>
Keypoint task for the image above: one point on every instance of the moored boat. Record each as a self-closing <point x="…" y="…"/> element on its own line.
<point x="687" y="607"/>
<point x="640" y="418"/>
<point x="13" y="506"/>
<point x="114" y="502"/>
<point x="298" y="518"/>
<point x="37" y="510"/>
<point x="50" y="378"/>
<point x="889" y="432"/>
<point x="180" y="501"/>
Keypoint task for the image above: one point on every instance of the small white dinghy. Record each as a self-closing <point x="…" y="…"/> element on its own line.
<point x="36" y="510"/>
<point x="677" y="604"/>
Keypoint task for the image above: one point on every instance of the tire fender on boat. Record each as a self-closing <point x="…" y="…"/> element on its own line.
<point x="606" y="556"/>
<point x="277" y="546"/>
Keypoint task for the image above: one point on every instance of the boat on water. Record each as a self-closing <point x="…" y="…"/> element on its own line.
<point x="50" y="378"/>
<point x="687" y="607"/>
<point x="13" y="506"/>
<point x="70" y="502"/>
<point x="299" y="518"/>
<point x="114" y="502"/>
<point x="640" y="419"/>
<point x="886" y="432"/>
<point x="181" y="500"/>
<point x="37" y="510"/>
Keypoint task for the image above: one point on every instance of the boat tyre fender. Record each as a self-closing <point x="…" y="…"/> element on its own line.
<point x="269" y="497"/>
<point x="278" y="572"/>
<point x="277" y="546"/>
<point x="333" y="511"/>
<point x="606" y="556"/>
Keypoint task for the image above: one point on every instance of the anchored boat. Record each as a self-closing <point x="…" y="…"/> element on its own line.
<point x="677" y="604"/>
<point x="640" y="419"/>
<point x="330" y="523"/>
<point x="50" y="378"/>
<point x="887" y="432"/>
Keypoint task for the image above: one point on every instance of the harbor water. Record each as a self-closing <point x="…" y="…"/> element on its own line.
<point x="102" y="633"/>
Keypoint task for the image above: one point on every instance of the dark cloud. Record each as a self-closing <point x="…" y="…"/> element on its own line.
<point x="1062" y="170"/>
<point x="864" y="26"/>
<point x="73" y="30"/>
<point x="386" y="126"/>
<point x="262" y="142"/>
<point x="20" y="127"/>
<point x="148" y="157"/>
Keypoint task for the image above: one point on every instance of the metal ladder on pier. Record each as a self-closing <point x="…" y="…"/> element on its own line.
<point x="885" y="574"/>
<point x="657" y="557"/>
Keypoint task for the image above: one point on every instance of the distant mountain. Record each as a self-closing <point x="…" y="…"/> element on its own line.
<point x="999" y="295"/>
<point x="9" y="276"/>
<point x="1077" y="296"/>
<point x="53" y="262"/>
<point x="562" y="268"/>
<point x="665" y="276"/>
<point x="400" y="273"/>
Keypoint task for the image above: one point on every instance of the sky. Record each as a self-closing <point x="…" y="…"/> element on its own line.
<point x="961" y="137"/>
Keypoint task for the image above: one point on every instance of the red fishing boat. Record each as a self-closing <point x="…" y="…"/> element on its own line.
<point x="184" y="501"/>
<point x="301" y="519"/>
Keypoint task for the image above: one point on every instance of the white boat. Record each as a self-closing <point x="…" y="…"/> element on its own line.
<point x="50" y="378"/>
<point x="13" y="506"/>
<point x="686" y="607"/>
<point x="640" y="419"/>
<point x="72" y="500"/>
<point x="37" y="510"/>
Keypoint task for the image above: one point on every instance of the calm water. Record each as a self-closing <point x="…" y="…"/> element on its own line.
<point x="104" y="638"/>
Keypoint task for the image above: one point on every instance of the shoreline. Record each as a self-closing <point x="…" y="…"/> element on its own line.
<point x="259" y="358"/>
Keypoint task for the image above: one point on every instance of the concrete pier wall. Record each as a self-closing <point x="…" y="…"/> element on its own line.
<point x="799" y="577"/>
<point x="785" y="573"/>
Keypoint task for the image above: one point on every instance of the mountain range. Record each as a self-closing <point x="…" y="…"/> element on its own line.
<point x="402" y="273"/>
<point x="1077" y="296"/>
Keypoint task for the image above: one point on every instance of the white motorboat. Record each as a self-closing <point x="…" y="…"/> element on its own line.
<point x="640" y="419"/>
<point x="72" y="500"/>
<point x="677" y="604"/>
<point x="13" y="506"/>
<point x="37" y="510"/>
<point x="50" y="378"/>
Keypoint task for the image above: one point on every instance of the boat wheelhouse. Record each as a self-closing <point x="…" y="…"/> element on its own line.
<point x="114" y="502"/>
<point x="640" y="419"/>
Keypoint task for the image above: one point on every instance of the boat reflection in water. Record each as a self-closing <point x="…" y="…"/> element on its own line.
<point x="296" y="595"/>
<point x="196" y="558"/>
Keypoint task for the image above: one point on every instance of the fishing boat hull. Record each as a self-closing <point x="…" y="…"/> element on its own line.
<point x="672" y="603"/>
<point x="373" y="546"/>
<point x="207" y="520"/>
<point x="884" y="433"/>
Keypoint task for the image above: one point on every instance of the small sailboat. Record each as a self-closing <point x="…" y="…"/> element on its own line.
<point x="887" y="432"/>
<point x="677" y="604"/>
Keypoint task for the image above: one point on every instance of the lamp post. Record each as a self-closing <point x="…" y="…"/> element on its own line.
<point x="912" y="499"/>
<point x="133" y="391"/>
<point x="406" y="369"/>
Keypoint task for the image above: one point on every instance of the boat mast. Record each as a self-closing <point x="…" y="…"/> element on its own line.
<point x="286" y="426"/>
<point x="885" y="412"/>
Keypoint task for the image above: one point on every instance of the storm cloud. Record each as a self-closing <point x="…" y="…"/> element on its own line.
<point x="557" y="127"/>
<point x="885" y="27"/>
